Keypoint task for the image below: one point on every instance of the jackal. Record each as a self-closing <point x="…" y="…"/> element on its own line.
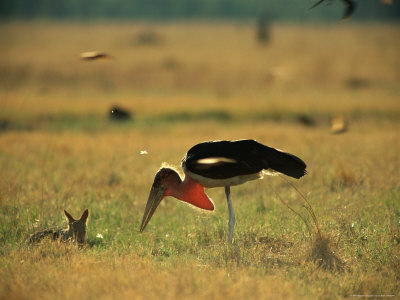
<point x="76" y="231"/>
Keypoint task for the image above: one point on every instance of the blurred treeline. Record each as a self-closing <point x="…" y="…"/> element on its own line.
<point x="187" y="9"/>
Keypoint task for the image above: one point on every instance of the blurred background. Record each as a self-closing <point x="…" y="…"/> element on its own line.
<point x="196" y="53"/>
<point x="96" y="94"/>
<point x="368" y="10"/>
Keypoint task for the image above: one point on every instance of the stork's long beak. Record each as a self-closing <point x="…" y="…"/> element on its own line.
<point x="155" y="197"/>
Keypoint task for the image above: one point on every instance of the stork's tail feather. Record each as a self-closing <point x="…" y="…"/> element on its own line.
<point x="286" y="163"/>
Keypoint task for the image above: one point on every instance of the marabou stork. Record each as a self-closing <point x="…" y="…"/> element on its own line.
<point x="219" y="164"/>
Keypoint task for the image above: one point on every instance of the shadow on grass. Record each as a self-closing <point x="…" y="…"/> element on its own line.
<point x="98" y="122"/>
<point x="96" y="242"/>
<point x="217" y="115"/>
<point x="93" y="122"/>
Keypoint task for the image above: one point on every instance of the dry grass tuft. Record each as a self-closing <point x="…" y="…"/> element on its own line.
<point x="321" y="246"/>
<point x="323" y="255"/>
<point x="345" y="177"/>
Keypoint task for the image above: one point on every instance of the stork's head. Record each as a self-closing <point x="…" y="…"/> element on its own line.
<point x="165" y="182"/>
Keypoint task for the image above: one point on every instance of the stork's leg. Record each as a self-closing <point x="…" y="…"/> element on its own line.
<point x="231" y="222"/>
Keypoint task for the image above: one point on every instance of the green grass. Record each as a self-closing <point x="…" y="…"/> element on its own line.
<point x="58" y="149"/>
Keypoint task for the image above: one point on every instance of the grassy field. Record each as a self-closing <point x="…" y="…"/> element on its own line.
<point x="185" y="83"/>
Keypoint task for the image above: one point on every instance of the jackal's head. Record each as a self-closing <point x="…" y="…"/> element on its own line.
<point x="77" y="228"/>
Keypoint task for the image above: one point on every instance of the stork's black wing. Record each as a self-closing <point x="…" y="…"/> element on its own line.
<point x="227" y="159"/>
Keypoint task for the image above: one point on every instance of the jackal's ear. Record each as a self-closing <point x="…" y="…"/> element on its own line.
<point x="85" y="215"/>
<point x="70" y="218"/>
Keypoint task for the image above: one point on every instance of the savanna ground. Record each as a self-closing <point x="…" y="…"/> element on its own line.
<point x="185" y="83"/>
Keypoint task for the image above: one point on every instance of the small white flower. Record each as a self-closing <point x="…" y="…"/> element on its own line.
<point x="143" y="152"/>
<point x="100" y="236"/>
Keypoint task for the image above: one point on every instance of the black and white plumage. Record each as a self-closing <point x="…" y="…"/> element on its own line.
<point x="219" y="164"/>
<point x="234" y="161"/>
